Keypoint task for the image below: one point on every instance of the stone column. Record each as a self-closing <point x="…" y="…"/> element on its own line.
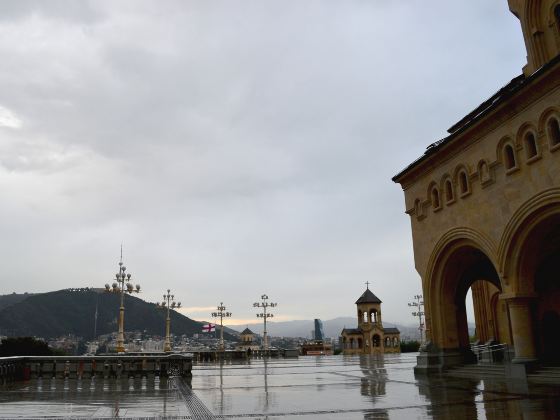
<point x="522" y="329"/>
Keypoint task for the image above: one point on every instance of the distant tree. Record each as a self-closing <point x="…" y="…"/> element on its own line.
<point x="81" y="348"/>
<point x="24" y="346"/>
<point x="410" y="346"/>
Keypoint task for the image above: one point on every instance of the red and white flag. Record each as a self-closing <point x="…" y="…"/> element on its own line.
<point x="208" y="328"/>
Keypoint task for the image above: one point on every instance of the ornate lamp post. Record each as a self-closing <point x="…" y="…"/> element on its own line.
<point x="119" y="287"/>
<point x="169" y="303"/>
<point x="264" y="315"/>
<point x="221" y="314"/>
<point x="419" y="303"/>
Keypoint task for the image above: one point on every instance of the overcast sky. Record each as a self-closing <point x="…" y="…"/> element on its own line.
<point x="234" y="147"/>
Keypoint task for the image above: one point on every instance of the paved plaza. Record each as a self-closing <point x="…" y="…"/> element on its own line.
<point x="334" y="387"/>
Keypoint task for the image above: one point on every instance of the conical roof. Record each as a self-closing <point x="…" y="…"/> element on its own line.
<point x="247" y="331"/>
<point x="368" y="297"/>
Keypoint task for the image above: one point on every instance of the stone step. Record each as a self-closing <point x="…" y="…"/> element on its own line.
<point x="477" y="371"/>
<point x="545" y="375"/>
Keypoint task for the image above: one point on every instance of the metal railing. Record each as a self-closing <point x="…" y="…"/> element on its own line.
<point x="491" y="353"/>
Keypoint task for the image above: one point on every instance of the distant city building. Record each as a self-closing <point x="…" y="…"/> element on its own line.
<point x="248" y="341"/>
<point x="316" y="348"/>
<point x="319" y="333"/>
<point x="370" y="337"/>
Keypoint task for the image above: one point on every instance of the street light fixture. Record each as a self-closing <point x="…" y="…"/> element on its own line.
<point x="264" y="315"/>
<point x="168" y="303"/>
<point x="419" y="304"/>
<point x="221" y="313"/>
<point x="119" y="287"/>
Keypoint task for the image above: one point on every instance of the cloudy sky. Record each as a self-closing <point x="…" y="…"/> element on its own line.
<point x="234" y="147"/>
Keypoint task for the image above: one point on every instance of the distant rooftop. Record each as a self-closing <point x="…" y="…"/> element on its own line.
<point x="515" y="85"/>
<point x="368" y="297"/>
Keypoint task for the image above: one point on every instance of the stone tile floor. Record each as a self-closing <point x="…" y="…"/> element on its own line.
<point x="335" y="387"/>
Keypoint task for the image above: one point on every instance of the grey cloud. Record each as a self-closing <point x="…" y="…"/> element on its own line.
<point x="235" y="147"/>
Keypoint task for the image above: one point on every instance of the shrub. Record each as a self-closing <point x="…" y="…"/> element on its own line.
<point x="24" y="346"/>
<point x="410" y="346"/>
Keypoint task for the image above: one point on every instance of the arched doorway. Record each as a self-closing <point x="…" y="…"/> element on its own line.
<point x="539" y="274"/>
<point x="460" y="265"/>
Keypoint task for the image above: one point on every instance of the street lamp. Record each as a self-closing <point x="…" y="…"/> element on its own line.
<point x="119" y="287"/>
<point x="168" y="303"/>
<point x="264" y="315"/>
<point x="419" y="304"/>
<point x="221" y="314"/>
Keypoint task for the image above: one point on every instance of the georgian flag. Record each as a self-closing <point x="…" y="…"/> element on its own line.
<point x="208" y="328"/>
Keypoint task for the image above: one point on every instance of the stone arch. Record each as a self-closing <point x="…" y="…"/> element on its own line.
<point x="376" y="340"/>
<point x="535" y="210"/>
<point x="460" y="257"/>
<point x="530" y="254"/>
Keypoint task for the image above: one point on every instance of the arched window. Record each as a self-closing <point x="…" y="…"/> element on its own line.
<point x="509" y="157"/>
<point x="448" y="191"/>
<point x="530" y="145"/>
<point x="553" y="127"/>
<point x="418" y="209"/>
<point x="372" y="316"/>
<point x="483" y="172"/>
<point x="395" y="342"/>
<point x="463" y="182"/>
<point x="435" y="198"/>
<point x="376" y="340"/>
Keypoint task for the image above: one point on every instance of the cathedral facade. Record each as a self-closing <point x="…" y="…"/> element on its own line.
<point x="484" y="206"/>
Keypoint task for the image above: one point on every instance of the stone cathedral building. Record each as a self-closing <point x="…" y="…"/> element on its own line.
<point x="484" y="206"/>
<point x="370" y="337"/>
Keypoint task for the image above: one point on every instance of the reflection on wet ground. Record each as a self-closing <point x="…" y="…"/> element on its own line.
<point x="333" y="387"/>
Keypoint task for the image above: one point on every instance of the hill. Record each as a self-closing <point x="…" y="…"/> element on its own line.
<point x="65" y="312"/>
<point x="331" y="327"/>
<point x="7" y="300"/>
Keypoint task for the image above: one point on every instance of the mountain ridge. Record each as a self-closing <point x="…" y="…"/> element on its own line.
<point x="72" y="311"/>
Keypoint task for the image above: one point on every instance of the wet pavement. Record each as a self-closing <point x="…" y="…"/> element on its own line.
<point x="332" y="387"/>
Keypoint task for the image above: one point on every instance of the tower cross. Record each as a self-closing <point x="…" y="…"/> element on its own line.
<point x="367" y="284"/>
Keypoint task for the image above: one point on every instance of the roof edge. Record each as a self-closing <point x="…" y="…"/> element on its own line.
<point x="515" y="85"/>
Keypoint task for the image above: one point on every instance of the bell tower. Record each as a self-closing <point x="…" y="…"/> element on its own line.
<point x="540" y="23"/>
<point x="369" y="310"/>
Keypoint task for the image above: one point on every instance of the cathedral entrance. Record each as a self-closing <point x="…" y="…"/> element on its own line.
<point x="462" y="266"/>
<point x="539" y="275"/>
